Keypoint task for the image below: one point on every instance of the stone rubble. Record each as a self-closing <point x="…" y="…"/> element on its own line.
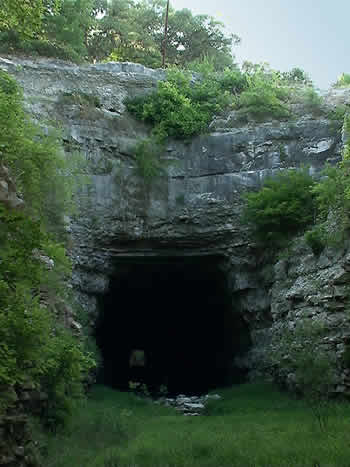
<point x="188" y="405"/>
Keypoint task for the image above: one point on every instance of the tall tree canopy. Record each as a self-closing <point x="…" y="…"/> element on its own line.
<point x="131" y="30"/>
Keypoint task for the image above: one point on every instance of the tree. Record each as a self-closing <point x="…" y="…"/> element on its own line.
<point x="25" y="16"/>
<point x="73" y="25"/>
<point x="124" y="33"/>
<point x="193" y="36"/>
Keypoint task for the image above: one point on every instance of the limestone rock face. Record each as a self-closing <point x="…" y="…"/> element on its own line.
<point x="195" y="209"/>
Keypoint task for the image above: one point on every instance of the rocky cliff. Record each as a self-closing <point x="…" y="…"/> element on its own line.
<point x="193" y="211"/>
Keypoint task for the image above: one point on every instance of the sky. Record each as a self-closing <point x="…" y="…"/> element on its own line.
<point x="308" y="34"/>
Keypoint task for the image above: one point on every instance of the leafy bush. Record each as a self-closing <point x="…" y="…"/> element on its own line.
<point x="262" y="102"/>
<point x="34" y="347"/>
<point x="316" y="239"/>
<point x="343" y="80"/>
<point x="263" y="99"/>
<point x="182" y="107"/>
<point x="265" y="96"/>
<point x="284" y="206"/>
<point x="332" y="195"/>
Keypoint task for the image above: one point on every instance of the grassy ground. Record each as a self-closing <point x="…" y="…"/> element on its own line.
<point x="251" y="426"/>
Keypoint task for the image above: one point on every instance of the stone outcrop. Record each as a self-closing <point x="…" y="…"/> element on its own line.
<point x="195" y="209"/>
<point x="317" y="288"/>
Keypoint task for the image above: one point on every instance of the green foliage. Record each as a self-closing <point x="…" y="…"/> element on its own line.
<point x="312" y="100"/>
<point x="12" y="42"/>
<point x="125" y="30"/>
<point x="339" y="112"/>
<point x="332" y="195"/>
<point x="283" y="207"/>
<point x="72" y="26"/>
<point x="292" y="200"/>
<point x="296" y="76"/>
<point x="25" y="16"/>
<point x="343" y="81"/>
<point x="191" y="37"/>
<point x="34" y="347"/>
<point x="66" y="366"/>
<point x="36" y="350"/>
<point x="170" y="109"/>
<point x="181" y="108"/>
<point x="42" y="172"/>
<point x="265" y="97"/>
<point x="148" y="159"/>
<point x="316" y="239"/>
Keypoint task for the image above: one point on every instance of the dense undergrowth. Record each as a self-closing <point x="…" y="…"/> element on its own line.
<point x="35" y="349"/>
<point x="252" y="425"/>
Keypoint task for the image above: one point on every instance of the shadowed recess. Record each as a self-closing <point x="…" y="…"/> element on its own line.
<point x="179" y="312"/>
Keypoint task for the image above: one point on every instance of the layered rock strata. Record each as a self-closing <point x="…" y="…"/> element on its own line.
<point x="194" y="210"/>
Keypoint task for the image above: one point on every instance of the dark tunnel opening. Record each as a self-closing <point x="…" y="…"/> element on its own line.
<point x="179" y="312"/>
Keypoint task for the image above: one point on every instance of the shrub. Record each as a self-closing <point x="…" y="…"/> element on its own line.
<point x="263" y="100"/>
<point x="148" y="162"/>
<point x="181" y="107"/>
<point x="316" y="239"/>
<point x="44" y="176"/>
<point x="266" y="95"/>
<point x="284" y="206"/>
<point x="332" y="195"/>
<point x="343" y="80"/>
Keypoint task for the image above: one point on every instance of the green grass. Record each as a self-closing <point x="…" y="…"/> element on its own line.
<point x="252" y="425"/>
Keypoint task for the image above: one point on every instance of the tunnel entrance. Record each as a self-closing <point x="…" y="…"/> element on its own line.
<point x="178" y="311"/>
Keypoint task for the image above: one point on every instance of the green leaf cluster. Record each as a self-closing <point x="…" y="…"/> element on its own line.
<point x="183" y="105"/>
<point x="148" y="159"/>
<point x="283" y="207"/>
<point x="266" y="96"/>
<point x="25" y="16"/>
<point x="343" y="81"/>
